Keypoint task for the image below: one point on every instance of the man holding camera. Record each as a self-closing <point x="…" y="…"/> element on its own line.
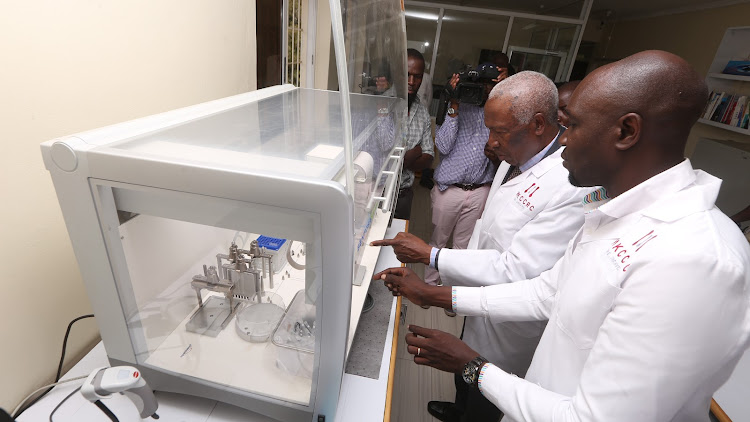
<point x="464" y="175"/>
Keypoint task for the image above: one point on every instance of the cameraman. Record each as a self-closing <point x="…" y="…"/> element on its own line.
<point x="464" y="175"/>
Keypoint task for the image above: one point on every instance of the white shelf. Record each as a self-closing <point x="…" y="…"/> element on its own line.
<point x="724" y="126"/>
<point x="730" y="77"/>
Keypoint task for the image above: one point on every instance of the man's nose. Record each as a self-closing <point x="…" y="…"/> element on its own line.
<point x="564" y="138"/>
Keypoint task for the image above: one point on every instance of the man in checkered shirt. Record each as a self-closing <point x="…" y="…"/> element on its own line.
<point x="418" y="133"/>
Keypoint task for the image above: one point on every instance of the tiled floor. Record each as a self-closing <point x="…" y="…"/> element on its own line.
<point x="415" y="385"/>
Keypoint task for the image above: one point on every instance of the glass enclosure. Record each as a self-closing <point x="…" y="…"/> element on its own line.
<point x="374" y="37"/>
<point x="220" y="243"/>
<point x="229" y="307"/>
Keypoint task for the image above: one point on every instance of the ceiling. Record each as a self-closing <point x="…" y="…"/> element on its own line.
<point x="614" y="9"/>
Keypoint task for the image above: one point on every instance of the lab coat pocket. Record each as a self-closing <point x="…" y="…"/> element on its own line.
<point x="583" y="305"/>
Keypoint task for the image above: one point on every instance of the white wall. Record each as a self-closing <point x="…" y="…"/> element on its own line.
<point x="69" y="66"/>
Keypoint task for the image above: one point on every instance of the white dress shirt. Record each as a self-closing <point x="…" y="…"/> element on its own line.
<point x="525" y="228"/>
<point x="648" y="310"/>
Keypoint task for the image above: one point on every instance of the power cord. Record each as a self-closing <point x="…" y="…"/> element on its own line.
<point x="16" y="413"/>
<point x="106" y="411"/>
<point x="63" y="401"/>
<point x="59" y="369"/>
<point x="98" y="404"/>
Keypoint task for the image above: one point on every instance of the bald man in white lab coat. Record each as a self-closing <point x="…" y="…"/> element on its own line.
<point x="532" y="212"/>
<point x="649" y="308"/>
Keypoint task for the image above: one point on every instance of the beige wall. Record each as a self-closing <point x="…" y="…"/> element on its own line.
<point x="695" y="36"/>
<point x="68" y="66"/>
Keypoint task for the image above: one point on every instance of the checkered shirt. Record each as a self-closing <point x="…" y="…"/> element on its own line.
<point x="418" y="131"/>
<point x="461" y="141"/>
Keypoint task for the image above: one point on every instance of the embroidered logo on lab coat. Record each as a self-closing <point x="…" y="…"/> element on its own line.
<point x="524" y="198"/>
<point x="621" y="252"/>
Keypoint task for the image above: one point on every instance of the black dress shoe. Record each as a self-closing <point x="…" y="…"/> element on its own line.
<point x="444" y="411"/>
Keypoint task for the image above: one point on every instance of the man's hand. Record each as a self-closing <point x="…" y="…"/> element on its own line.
<point x="407" y="247"/>
<point x="454" y="102"/>
<point x="411" y="157"/>
<point x="402" y="281"/>
<point x="438" y="349"/>
<point x="490" y="154"/>
<point x="503" y="74"/>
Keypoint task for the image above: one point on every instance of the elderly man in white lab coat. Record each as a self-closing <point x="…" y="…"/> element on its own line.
<point x="649" y="308"/>
<point x="532" y="212"/>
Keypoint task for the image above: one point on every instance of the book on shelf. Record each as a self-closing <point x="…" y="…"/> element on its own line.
<point x="727" y="108"/>
<point x="720" y="108"/>
<point x="711" y="104"/>
<point x="739" y="111"/>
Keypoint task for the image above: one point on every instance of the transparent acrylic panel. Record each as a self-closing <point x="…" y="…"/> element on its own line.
<point x="465" y="39"/>
<point x="375" y="42"/>
<point x="208" y="302"/>
<point x="295" y="133"/>
<point x="421" y="29"/>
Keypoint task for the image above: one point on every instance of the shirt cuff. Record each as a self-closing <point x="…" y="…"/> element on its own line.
<point x="494" y="383"/>
<point x="433" y="253"/>
<point x="468" y="301"/>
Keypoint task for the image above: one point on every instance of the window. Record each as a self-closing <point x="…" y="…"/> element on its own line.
<point x="294" y="42"/>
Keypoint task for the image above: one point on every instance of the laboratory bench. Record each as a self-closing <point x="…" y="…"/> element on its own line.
<point x="364" y="397"/>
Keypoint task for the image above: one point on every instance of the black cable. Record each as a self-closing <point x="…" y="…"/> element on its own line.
<point x="59" y="367"/>
<point x="106" y="411"/>
<point x="65" y="344"/>
<point x="61" y="403"/>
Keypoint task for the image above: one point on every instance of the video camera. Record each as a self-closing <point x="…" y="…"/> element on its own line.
<point x="470" y="87"/>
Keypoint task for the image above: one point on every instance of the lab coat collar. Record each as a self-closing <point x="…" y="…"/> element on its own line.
<point x="656" y="193"/>
<point x="539" y="169"/>
<point x="663" y="197"/>
<point x="547" y="163"/>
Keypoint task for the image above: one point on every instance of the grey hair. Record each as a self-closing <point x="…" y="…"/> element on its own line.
<point x="530" y="93"/>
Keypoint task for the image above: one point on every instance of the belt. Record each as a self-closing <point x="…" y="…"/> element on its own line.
<point x="472" y="186"/>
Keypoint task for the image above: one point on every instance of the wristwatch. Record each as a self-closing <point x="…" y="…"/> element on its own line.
<point x="471" y="371"/>
<point x="451" y="110"/>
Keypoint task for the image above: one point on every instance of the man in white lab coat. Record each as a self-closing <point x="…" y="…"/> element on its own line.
<point x="532" y="212"/>
<point x="649" y="307"/>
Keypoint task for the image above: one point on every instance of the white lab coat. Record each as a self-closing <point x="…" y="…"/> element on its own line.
<point x="648" y="310"/>
<point x="525" y="228"/>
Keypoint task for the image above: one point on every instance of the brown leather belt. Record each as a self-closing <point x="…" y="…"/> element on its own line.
<point x="472" y="186"/>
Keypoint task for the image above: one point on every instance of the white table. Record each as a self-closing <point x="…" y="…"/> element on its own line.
<point x="361" y="399"/>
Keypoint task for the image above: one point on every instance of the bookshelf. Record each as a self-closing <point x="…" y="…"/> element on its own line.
<point x="724" y="126"/>
<point x="735" y="44"/>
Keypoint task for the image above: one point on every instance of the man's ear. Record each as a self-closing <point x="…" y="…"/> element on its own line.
<point x="629" y="126"/>
<point x="538" y="124"/>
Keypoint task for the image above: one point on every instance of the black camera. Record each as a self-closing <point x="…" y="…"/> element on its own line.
<point x="470" y="88"/>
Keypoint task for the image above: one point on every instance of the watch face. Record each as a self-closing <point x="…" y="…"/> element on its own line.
<point x="469" y="372"/>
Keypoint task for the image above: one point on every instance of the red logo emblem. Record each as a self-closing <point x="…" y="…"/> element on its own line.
<point x="135" y="374"/>
<point x="533" y="191"/>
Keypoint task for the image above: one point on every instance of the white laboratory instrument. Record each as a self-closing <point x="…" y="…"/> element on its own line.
<point x="103" y="382"/>
<point x="222" y="245"/>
